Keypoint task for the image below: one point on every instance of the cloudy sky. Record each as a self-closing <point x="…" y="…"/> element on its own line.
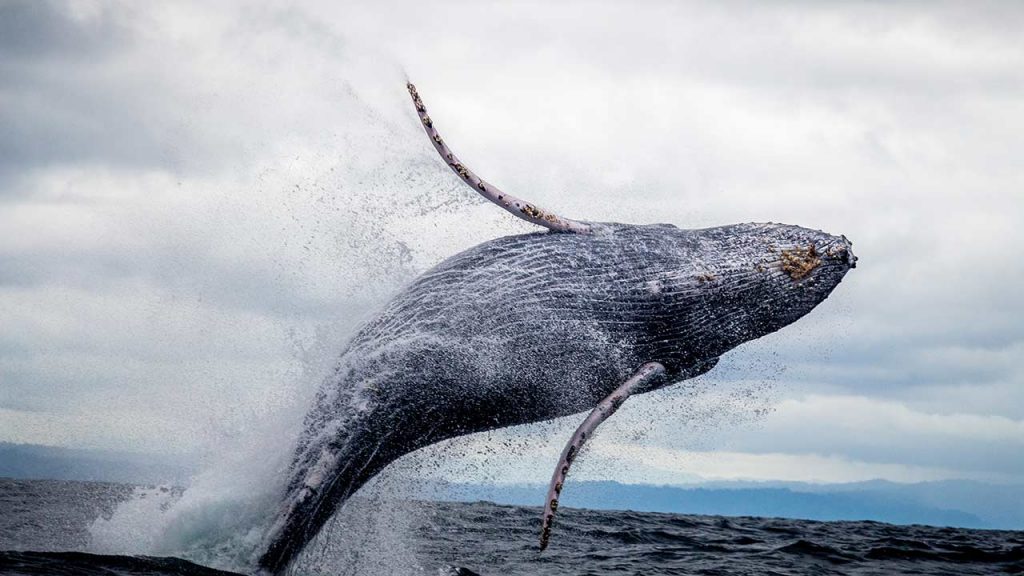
<point x="198" y="204"/>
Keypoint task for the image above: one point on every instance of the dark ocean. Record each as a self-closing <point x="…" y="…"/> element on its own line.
<point x="44" y="529"/>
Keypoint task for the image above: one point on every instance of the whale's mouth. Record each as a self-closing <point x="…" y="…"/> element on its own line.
<point x="842" y="251"/>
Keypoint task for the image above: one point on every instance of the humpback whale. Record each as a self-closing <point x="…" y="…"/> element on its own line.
<point x="537" y="326"/>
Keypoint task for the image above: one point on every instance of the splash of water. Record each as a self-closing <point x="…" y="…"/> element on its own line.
<point x="347" y="228"/>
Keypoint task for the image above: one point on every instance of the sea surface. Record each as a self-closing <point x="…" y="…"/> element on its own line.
<point x="44" y="529"/>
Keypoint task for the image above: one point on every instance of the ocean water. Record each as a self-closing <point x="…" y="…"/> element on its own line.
<point x="45" y="529"/>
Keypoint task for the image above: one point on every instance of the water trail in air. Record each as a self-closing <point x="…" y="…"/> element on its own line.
<point x="342" y="220"/>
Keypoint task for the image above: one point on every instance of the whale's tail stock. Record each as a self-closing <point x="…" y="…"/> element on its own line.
<point x="308" y="505"/>
<point x="319" y="486"/>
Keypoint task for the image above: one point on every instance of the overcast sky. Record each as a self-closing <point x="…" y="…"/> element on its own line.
<point x="198" y="204"/>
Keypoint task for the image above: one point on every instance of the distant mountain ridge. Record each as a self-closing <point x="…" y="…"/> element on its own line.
<point x="32" y="461"/>
<point x="965" y="504"/>
<point x="961" y="503"/>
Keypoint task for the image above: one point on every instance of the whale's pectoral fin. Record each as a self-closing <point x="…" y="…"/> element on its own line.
<point x="637" y="382"/>
<point x="526" y="210"/>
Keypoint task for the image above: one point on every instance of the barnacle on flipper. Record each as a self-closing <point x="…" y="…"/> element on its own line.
<point x="532" y="211"/>
<point x="799" y="262"/>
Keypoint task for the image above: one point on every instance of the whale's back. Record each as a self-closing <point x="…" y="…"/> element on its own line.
<point x="544" y="323"/>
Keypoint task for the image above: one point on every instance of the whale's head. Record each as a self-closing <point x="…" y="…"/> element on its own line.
<point x="795" y="269"/>
<point x="743" y="281"/>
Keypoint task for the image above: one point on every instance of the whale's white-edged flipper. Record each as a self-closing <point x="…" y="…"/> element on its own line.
<point x="526" y="210"/>
<point x="604" y="409"/>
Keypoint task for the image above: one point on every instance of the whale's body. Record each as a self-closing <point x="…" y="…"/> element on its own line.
<point x="533" y="327"/>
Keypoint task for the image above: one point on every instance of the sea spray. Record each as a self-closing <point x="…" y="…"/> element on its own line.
<point x="341" y="220"/>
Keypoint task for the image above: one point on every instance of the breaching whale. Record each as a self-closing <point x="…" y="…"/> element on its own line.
<point x="537" y="326"/>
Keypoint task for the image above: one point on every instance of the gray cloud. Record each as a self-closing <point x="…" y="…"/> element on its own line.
<point x="887" y="432"/>
<point x="31" y="31"/>
<point x="199" y="201"/>
<point x="60" y="101"/>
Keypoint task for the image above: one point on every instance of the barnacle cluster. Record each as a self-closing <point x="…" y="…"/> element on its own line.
<point x="799" y="262"/>
<point x="532" y="211"/>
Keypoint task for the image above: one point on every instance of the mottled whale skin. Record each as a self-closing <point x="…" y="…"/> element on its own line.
<point x="537" y="326"/>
